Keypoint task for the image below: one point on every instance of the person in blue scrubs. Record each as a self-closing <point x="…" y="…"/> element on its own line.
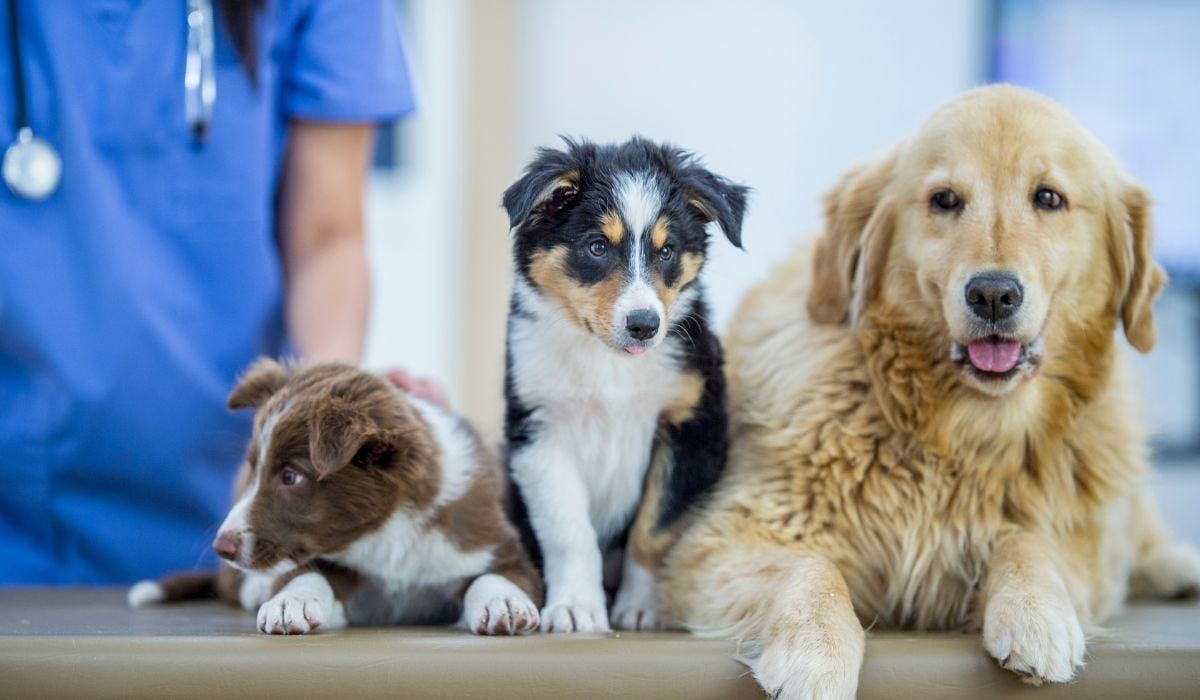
<point x="164" y="263"/>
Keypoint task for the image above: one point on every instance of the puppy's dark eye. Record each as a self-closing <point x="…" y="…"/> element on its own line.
<point x="598" y="248"/>
<point x="1046" y="198"/>
<point x="291" y="477"/>
<point x="945" y="200"/>
<point x="666" y="252"/>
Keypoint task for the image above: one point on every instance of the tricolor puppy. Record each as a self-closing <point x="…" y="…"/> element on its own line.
<point x="361" y="505"/>
<point x="616" y="422"/>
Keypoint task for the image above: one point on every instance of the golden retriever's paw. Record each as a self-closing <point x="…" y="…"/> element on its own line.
<point x="1035" y="635"/>
<point x="810" y="666"/>
<point x="1172" y="571"/>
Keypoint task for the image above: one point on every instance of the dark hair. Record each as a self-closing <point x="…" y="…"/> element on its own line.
<point x="239" y="17"/>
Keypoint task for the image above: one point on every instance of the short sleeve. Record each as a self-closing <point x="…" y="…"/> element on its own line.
<point x="347" y="64"/>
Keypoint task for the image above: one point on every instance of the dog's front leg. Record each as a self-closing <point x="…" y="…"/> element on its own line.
<point x="788" y="610"/>
<point x="1030" y="624"/>
<point x="304" y="603"/>
<point x="557" y="501"/>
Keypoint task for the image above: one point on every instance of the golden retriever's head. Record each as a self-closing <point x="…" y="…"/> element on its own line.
<point x="1003" y="227"/>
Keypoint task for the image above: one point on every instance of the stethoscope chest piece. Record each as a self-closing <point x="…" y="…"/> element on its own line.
<point x="32" y="168"/>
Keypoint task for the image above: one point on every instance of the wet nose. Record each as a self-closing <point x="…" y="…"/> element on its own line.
<point x="227" y="545"/>
<point x="642" y="324"/>
<point x="993" y="297"/>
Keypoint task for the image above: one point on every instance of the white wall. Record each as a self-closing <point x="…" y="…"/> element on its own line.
<point x="413" y="216"/>
<point x="781" y="96"/>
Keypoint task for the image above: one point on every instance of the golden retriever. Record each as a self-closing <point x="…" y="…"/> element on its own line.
<point x="933" y="427"/>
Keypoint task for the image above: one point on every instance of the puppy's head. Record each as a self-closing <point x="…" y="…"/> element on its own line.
<point x="1004" y="225"/>
<point x="335" y="451"/>
<point x="616" y="235"/>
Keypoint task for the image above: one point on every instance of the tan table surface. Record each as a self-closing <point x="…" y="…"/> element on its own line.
<point x="73" y="642"/>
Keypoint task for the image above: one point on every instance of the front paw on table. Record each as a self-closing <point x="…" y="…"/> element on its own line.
<point x="568" y="617"/>
<point x="1036" y="636"/>
<point x="290" y="613"/>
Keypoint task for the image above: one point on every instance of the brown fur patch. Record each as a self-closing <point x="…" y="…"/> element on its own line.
<point x="659" y="232"/>
<point x="477" y="520"/>
<point x="689" y="265"/>
<point x="682" y="407"/>
<point x="648" y="544"/>
<point x="589" y="306"/>
<point x="612" y="228"/>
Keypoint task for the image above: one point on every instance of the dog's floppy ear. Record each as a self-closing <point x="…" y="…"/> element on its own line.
<point x="849" y="256"/>
<point x="550" y="184"/>
<point x="714" y="198"/>
<point x="339" y="432"/>
<point x="259" y="383"/>
<point x="1139" y="278"/>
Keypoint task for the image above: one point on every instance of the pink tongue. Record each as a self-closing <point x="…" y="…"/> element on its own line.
<point x="994" y="355"/>
<point x="635" y="349"/>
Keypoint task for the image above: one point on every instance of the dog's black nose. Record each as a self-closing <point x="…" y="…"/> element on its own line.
<point x="642" y="324"/>
<point x="993" y="297"/>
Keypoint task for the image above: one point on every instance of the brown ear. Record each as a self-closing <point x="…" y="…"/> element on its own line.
<point x="259" y="383"/>
<point x="849" y="255"/>
<point x="1142" y="278"/>
<point x="339" y="431"/>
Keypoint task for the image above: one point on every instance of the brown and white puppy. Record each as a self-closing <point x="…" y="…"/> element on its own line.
<point x="358" y="504"/>
<point x="932" y="424"/>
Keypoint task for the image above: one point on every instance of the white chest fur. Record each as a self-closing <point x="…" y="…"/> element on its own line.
<point x="593" y="403"/>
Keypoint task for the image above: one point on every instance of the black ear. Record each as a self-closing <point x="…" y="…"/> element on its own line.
<point x="715" y="199"/>
<point x="549" y="185"/>
<point x="259" y="383"/>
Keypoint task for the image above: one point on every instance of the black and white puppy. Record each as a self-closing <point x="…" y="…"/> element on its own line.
<point x="616" y="421"/>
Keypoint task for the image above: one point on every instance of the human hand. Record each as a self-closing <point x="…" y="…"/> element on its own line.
<point x="419" y="387"/>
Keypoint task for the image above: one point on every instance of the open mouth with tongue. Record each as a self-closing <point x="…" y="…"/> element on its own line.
<point x="997" y="358"/>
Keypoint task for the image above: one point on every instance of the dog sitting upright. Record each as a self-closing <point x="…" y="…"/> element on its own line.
<point x="616" y="420"/>
<point x="358" y="504"/>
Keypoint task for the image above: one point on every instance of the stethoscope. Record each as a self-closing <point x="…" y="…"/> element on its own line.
<point x="32" y="168"/>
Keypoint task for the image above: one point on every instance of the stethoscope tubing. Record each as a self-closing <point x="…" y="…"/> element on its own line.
<point x="18" y="68"/>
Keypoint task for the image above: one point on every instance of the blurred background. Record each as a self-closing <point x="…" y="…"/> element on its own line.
<point x="782" y="96"/>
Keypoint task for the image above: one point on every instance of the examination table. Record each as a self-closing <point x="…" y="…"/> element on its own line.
<point x="85" y="642"/>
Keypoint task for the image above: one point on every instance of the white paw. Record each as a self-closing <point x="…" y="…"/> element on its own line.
<point x="636" y="604"/>
<point x="569" y="617"/>
<point x="288" y="613"/>
<point x="494" y="605"/>
<point x="636" y="619"/>
<point x="1037" y="635"/>
<point x="1172" y="570"/>
<point x="305" y="604"/>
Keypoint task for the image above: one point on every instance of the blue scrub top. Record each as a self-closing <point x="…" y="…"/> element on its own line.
<point x="133" y="296"/>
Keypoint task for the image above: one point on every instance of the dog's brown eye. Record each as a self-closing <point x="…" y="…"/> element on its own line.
<point x="598" y="248"/>
<point x="1046" y="198"/>
<point x="291" y="477"/>
<point x="666" y="252"/>
<point x="946" y="200"/>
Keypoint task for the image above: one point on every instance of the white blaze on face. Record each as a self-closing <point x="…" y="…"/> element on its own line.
<point x="236" y="522"/>
<point x="640" y="201"/>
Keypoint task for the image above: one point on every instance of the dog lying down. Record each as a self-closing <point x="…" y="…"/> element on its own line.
<point x="358" y="504"/>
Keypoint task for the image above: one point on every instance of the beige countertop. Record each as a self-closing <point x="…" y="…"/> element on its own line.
<point x="75" y="642"/>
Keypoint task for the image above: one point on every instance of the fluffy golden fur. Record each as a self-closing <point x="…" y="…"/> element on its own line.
<point x="875" y="478"/>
